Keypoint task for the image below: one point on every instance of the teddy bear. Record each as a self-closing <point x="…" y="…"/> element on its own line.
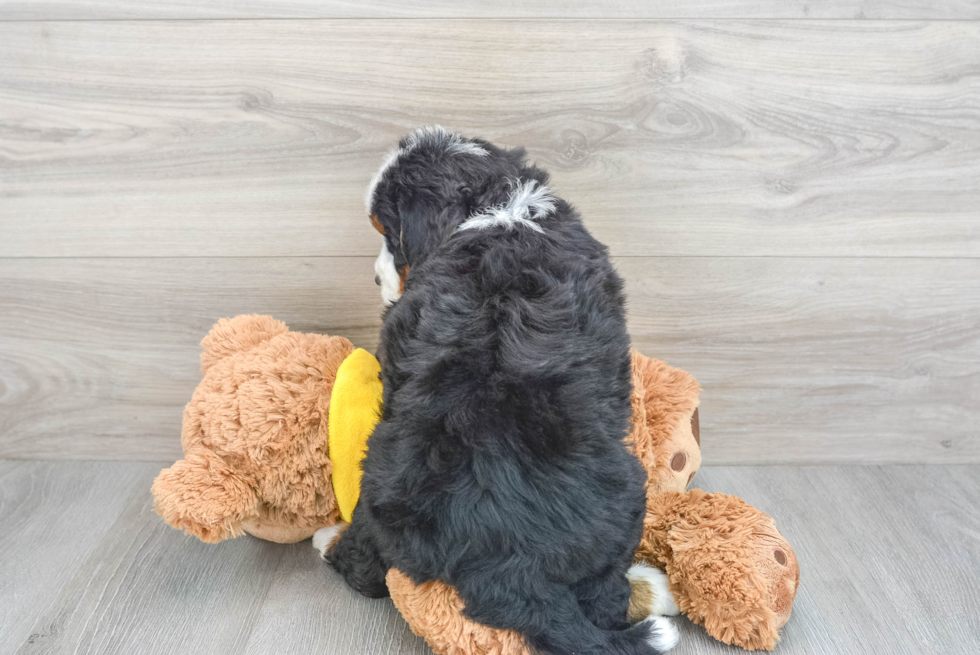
<point x="268" y="449"/>
<point x="274" y="434"/>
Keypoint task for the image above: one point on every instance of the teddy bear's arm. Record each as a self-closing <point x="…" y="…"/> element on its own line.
<point x="204" y="497"/>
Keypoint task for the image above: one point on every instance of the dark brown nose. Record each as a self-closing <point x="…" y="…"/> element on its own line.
<point x="377" y="280"/>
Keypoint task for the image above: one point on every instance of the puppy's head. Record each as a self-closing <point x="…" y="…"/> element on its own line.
<point x="426" y="187"/>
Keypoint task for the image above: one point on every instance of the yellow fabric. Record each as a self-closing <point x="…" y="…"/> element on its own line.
<point x="355" y="408"/>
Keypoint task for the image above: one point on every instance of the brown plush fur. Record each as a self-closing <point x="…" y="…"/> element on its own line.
<point x="254" y="435"/>
<point x="722" y="558"/>
<point x="664" y="402"/>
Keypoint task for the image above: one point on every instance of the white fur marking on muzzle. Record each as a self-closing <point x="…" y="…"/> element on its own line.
<point x="384" y="268"/>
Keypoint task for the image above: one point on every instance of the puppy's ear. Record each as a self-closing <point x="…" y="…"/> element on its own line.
<point x="424" y="228"/>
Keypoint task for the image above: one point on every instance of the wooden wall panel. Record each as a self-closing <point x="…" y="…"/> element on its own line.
<point x="802" y="360"/>
<point x="98" y="357"/>
<point x="257" y="138"/>
<point x="604" y="9"/>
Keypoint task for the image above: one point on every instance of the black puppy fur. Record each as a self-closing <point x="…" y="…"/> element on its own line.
<point x="499" y="465"/>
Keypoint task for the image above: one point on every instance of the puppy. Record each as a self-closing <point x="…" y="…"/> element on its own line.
<point x="498" y="466"/>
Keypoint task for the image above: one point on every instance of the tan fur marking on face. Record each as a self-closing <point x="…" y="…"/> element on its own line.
<point x="377" y="226"/>
<point x="402" y="276"/>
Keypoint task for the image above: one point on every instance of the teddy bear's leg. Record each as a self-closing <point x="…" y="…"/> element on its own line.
<point x="203" y="496"/>
<point x="356" y="557"/>
<point x="651" y="593"/>
<point x="434" y="611"/>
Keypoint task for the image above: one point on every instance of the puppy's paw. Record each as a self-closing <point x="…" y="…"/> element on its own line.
<point x="324" y="538"/>
<point x="650" y="593"/>
<point x="663" y="633"/>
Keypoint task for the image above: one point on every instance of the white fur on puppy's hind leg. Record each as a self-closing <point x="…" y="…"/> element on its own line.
<point x="324" y="537"/>
<point x="664" y="634"/>
<point x="663" y="601"/>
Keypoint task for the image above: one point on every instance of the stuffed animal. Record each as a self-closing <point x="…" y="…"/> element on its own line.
<point x="729" y="568"/>
<point x="273" y="438"/>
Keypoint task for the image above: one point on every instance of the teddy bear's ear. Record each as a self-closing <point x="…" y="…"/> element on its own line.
<point x="204" y="497"/>
<point x="752" y="627"/>
<point x="238" y="334"/>
<point x="665" y="432"/>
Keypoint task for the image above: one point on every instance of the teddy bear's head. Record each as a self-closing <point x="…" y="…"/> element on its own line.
<point x="255" y="435"/>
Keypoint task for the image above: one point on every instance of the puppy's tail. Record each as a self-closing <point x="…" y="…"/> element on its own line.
<point x="653" y="636"/>
<point x="554" y="622"/>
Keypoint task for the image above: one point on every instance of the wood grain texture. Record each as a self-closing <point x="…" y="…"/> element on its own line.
<point x="820" y="360"/>
<point x="54" y="519"/>
<point x="801" y="360"/>
<point x="764" y="138"/>
<point x="210" y="9"/>
<point x="98" y="357"/>
<point x="889" y="558"/>
<point x="149" y="589"/>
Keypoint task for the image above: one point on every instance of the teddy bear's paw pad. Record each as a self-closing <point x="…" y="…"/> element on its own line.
<point x="651" y="589"/>
<point x="324" y="538"/>
<point x="663" y="633"/>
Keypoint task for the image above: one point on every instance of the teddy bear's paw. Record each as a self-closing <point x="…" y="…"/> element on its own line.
<point x="663" y="633"/>
<point x="651" y="591"/>
<point x="324" y="538"/>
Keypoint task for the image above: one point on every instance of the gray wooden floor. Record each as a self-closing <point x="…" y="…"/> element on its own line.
<point x="890" y="559"/>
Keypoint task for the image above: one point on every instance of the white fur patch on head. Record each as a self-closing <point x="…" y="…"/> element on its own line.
<point x="384" y="268"/>
<point x="529" y="201"/>
<point x="389" y="161"/>
<point x="663" y="634"/>
<point x="324" y="538"/>
<point x="435" y="136"/>
<point x="662" y="603"/>
<point x="438" y="137"/>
